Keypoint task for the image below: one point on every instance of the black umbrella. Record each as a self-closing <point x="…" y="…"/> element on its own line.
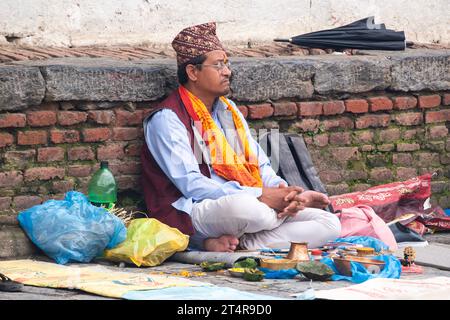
<point x="361" y="34"/>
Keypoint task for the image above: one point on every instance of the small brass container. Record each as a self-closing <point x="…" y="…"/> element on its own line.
<point x="298" y="251"/>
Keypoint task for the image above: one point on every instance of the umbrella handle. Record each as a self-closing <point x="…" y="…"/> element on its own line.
<point x="281" y="40"/>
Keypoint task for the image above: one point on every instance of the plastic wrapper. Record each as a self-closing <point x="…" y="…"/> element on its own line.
<point x="392" y="269"/>
<point x="72" y="229"/>
<point x="149" y="243"/>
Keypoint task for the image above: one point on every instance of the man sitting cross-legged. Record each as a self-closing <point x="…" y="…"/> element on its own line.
<point x="229" y="197"/>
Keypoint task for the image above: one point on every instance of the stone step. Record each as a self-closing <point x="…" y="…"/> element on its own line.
<point x="14" y="243"/>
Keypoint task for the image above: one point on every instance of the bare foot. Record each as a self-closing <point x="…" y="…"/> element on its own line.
<point x="314" y="199"/>
<point x="225" y="243"/>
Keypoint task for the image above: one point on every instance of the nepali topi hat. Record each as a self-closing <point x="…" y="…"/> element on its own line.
<point x="194" y="41"/>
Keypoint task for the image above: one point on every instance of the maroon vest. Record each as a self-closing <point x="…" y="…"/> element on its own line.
<point x="159" y="191"/>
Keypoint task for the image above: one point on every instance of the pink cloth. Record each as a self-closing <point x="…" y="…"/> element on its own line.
<point x="361" y="220"/>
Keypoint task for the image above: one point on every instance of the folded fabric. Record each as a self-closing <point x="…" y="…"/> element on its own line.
<point x="361" y="220"/>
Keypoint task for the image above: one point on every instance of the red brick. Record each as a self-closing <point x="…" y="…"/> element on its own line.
<point x="125" y="134"/>
<point x="389" y="135"/>
<point x="5" y="203"/>
<point x="6" y="139"/>
<point x="285" y="109"/>
<point x="307" y="125"/>
<point x="341" y="122"/>
<point x="355" y="175"/>
<point x="429" y="101"/>
<point x="20" y="157"/>
<point x="80" y="153"/>
<point x="381" y="120"/>
<point x="12" y="120"/>
<point x="343" y="154"/>
<point x="96" y="134"/>
<point x="386" y="147"/>
<point x="79" y="170"/>
<point x="46" y="197"/>
<point x="110" y="152"/>
<point x="50" y="154"/>
<point x="133" y="149"/>
<point x="340" y="188"/>
<point x="10" y="178"/>
<point x="260" y="111"/>
<point x="128" y="183"/>
<point x="101" y="117"/>
<point x="25" y="202"/>
<point x="445" y="159"/>
<point x="404" y="159"/>
<point x="356" y="106"/>
<point x="406" y="173"/>
<point x="380" y="103"/>
<point x="409" y="119"/>
<point x="44" y="173"/>
<point x="126" y="118"/>
<point x="32" y="137"/>
<point x="437" y="132"/>
<point x="321" y="140"/>
<point x="413" y="134"/>
<point x="340" y="138"/>
<point x="365" y="136"/>
<point x="330" y="176"/>
<point x="64" y="136"/>
<point x="130" y="167"/>
<point x="367" y="148"/>
<point x="381" y="174"/>
<point x="68" y="118"/>
<point x="408" y="147"/>
<point x="62" y="186"/>
<point x="425" y="159"/>
<point x="437" y="116"/>
<point x="313" y="108"/>
<point x="41" y="118"/>
<point x="333" y="107"/>
<point x="242" y="109"/>
<point x="403" y="103"/>
<point x="446" y="99"/>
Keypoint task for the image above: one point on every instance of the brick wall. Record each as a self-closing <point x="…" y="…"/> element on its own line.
<point x="369" y="140"/>
<point x="357" y="142"/>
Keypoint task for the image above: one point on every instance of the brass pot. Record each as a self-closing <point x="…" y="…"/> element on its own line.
<point x="298" y="251"/>
<point x="344" y="267"/>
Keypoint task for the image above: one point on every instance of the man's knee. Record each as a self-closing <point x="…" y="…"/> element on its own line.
<point x="331" y="221"/>
<point x="249" y="209"/>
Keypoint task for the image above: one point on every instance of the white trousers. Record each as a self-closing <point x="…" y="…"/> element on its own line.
<point x="257" y="226"/>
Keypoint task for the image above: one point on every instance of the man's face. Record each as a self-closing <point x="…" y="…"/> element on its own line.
<point x="214" y="75"/>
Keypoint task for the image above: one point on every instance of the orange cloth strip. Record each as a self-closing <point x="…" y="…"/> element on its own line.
<point x="242" y="168"/>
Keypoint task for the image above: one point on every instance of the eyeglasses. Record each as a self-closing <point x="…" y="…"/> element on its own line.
<point x="219" y="66"/>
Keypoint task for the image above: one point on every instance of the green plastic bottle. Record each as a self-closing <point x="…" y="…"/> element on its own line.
<point x="102" y="189"/>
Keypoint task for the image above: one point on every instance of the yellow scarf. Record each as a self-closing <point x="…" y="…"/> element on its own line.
<point x="226" y="163"/>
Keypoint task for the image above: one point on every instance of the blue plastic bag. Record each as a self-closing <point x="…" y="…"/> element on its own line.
<point x="371" y="242"/>
<point x="392" y="269"/>
<point x="72" y="229"/>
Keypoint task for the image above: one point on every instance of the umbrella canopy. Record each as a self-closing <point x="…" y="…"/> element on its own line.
<point x="361" y="34"/>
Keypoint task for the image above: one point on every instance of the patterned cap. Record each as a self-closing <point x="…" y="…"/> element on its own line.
<point x="195" y="41"/>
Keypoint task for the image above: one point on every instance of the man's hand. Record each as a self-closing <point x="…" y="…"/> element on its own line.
<point x="296" y="203"/>
<point x="314" y="199"/>
<point x="280" y="198"/>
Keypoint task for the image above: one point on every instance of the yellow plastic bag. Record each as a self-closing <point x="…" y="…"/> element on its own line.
<point x="149" y="242"/>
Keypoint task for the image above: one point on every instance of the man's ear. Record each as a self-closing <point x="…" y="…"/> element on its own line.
<point x="191" y="72"/>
